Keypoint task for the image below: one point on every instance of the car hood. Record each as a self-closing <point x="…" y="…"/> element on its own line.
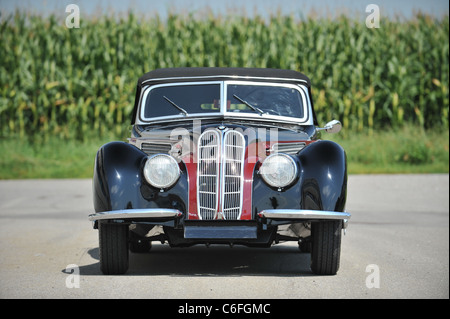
<point x="255" y="131"/>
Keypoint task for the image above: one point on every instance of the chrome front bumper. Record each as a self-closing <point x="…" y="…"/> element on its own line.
<point x="275" y="214"/>
<point x="299" y="214"/>
<point x="136" y="213"/>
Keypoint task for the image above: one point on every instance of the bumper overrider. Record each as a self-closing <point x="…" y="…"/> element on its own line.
<point x="239" y="231"/>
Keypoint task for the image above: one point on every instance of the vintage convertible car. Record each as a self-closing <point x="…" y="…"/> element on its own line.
<point x="221" y="156"/>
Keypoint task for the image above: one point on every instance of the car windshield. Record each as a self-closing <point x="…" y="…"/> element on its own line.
<point x="182" y="99"/>
<point x="272" y="100"/>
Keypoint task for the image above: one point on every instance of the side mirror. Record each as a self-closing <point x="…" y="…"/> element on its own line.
<point x="333" y="126"/>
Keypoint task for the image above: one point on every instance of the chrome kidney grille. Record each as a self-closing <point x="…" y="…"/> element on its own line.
<point x="220" y="171"/>
<point x="208" y="174"/>
<point x="232" y="174"/>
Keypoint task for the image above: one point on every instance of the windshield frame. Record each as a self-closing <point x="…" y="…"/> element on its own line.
<point x="223" y="113"/>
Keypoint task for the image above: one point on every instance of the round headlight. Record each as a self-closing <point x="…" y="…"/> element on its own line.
<point x="278" y="170"/>
<point x="161" y="171"/>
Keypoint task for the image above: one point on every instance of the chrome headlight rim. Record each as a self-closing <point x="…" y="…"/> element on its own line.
<point x="271" y="182"/>
<point x="155" y="184"/>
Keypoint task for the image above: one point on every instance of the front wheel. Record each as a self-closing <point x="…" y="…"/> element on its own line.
<point x="113" y="244"/>
<point x="326" y="247"/>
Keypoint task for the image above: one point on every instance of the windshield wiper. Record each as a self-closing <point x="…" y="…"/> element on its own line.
<point x="175" y="105"/>
<point x="254" y="108"/>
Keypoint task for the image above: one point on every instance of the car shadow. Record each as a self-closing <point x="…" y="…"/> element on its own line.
<point x="216" y="260"/>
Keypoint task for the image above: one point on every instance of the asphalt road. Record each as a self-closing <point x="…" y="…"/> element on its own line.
<point x="396" y="246"/>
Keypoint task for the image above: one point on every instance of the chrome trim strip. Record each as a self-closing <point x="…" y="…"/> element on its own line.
<point x="136" y="213"/>
<point x="303" y="214"/>
<point x="228" y="116"/>
<point x="226" y="76"/>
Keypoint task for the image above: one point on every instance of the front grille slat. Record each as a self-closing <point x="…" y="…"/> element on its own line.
<point x="155" y="148"/>
<point x="290" y="148"/>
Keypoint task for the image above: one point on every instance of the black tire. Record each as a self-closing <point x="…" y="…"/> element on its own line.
<point x="113" y="244"/>
<point x="326" y="247"/>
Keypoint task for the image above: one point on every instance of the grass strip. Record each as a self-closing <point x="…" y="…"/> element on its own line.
<point x="403" y="151"/>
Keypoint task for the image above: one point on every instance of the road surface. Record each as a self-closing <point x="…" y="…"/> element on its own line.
<point x="396" y="246"/>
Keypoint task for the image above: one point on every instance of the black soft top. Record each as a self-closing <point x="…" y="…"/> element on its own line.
<point x="162" y="75"/>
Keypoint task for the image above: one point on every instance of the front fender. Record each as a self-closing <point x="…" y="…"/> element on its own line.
<point x="321" y="184"/>
<point x="323" y="179"/>
<point x="117" y="177"/>
<point x="119" y="184"/>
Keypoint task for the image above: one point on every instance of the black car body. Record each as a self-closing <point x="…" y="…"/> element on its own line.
<point x="221" y="156"/>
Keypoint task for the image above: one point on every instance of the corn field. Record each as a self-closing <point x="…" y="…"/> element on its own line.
<point x="78" y="83"/>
